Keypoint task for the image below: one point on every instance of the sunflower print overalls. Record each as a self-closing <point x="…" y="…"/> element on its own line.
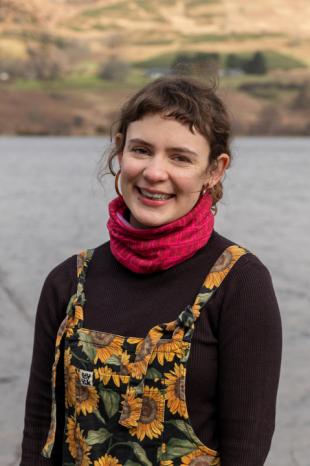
<point x="125" y="396"/>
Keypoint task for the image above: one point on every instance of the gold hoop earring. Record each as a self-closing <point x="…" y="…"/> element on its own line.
<point x="116" y="183"/>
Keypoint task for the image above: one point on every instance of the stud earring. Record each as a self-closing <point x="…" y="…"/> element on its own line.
<point x="204" y="189"/>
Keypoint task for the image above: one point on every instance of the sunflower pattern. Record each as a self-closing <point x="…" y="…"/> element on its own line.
<point x="131" y="408"/>
<point x="199" y="458"/>
<point x="151" y="418"/>
<point x="77" y="445"/>
<point x="70" y="379"/>
<point x="175" y="393"/>
<point x="125" y="396"/>
<point x="107" y="460"/>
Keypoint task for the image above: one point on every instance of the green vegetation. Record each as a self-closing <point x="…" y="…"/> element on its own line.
<point x="195" y="3"/>
<point x="281" y="61"/>
<point x="154" y="41"/>
<point x="150" y="8"/>
<point x="119" y="7"/>
<point x="103" y="27"/>
<point x="274" y="60"/>
<point x="76" y="28"/>
<point x="134" y="79"/>
<point x="199" y="63"/>
<point x="39" y="37"/>
<point x="270" y="90"/>
<point x="164" y="60"/>
<point x="69" y="83"/>
<point x="145" y="5"/>
<point x="235" y="81"/>
<point x="192" y="39"/>
<point x="255" y="64"/>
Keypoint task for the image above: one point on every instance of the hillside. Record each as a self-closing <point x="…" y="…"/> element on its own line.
<point x="140" y="29"/>
<point x="66" y="65"/>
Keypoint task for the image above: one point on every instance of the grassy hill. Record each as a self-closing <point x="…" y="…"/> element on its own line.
<point x="141" y="29"/>
<point x="55" y="51"/>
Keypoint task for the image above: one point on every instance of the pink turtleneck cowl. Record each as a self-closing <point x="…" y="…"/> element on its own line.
<point x="159" y="248"/>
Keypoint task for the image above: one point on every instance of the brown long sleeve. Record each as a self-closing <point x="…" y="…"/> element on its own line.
<point x="235" y="358"/>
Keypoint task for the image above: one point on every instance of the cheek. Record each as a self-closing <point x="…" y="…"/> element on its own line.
<point x="129" y="169"/>
<point x="191" y="182"/>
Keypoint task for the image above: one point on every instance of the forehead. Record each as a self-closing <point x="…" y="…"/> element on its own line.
<point x="159" y="130"/>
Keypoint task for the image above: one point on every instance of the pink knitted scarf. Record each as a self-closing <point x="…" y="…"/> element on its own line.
<point x="159" y="248"/>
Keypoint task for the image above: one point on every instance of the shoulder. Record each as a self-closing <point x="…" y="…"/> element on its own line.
<point x="61" y="283"/>
<point x="247" y="272"/>
<point x="62" y="278"/>
<point x="247" y="264"/>
<point x="247" y="301"/>
<point x="66" y="271"/>
<point x="248" y="283"/>
<point x="62" y="273"/>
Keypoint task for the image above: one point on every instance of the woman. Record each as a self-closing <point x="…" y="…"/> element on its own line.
<point x="165" y="297"/>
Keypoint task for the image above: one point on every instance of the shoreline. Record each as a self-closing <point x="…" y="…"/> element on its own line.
<point x="92" y="113"/>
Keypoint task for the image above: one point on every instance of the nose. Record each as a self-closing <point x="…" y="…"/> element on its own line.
<point x="155" y="170"/>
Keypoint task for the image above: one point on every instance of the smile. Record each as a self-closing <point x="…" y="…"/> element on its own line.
<point x="156" y="196"/>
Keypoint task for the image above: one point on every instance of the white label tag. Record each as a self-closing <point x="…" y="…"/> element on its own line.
<point x="86" y="378"/>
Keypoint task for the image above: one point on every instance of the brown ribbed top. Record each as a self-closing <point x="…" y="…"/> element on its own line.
<point x="234" y="364"/>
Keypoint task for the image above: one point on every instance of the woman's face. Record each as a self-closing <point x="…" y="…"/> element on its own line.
<point x="163" y="169"/>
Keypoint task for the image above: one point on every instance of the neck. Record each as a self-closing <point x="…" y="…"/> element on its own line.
<point x="146" y="250"/>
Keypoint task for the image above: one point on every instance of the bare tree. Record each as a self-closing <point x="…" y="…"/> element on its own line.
<point x="114" y="69"/>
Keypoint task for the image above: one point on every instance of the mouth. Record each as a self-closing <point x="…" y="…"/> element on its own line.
<point x="155" y="195"/>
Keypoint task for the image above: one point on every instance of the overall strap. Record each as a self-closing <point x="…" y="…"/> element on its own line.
<point x="212" y="282"/>
<point x="78" y="300"/>
<point x="74" y="319"/>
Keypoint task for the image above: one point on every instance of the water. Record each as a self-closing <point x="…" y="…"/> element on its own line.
<point x="51" y="206"/>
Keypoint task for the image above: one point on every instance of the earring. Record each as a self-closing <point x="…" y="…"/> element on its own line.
<point x="116" y="183"/>
<point x="204" y="189"/>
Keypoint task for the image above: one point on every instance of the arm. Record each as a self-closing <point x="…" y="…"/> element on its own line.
<point x="55" y="295"/>
<point x="250" y="342"/>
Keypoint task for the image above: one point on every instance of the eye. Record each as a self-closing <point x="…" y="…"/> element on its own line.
<point x="182" y="158"/>
<point x="140" y="150"/>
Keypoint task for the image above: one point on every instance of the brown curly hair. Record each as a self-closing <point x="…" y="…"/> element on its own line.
<point x="190" y="102"/>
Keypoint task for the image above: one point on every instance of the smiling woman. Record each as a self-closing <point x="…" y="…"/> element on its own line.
<point x="163" y="344"/>
<point x="164" y="172"/>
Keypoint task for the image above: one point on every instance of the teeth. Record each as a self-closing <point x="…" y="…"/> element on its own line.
<point x="157" y="196"/>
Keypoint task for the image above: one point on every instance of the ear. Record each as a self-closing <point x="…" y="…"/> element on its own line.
<point x="217" y="169"/>
<point x="118" y="142"/>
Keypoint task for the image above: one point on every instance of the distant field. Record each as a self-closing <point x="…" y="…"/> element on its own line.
<point x="65" y="65"/>
<point x="275" y="60"/>
<point x="158" y="27"/>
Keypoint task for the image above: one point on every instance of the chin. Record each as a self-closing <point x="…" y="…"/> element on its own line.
<point x="147" y="223"/>
<point x="153" y="224"/>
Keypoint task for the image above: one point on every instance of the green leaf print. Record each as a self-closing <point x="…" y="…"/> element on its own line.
<point x="98" y="416"/>
<point x="192" y="436"/>
<point x="181" y="425"/>
<point x="205" y="296"/>
<point x="111" y="401"/>
<point x="153" y="373"/>
<point x="114" y="360"/>
<point x="186" y="429"/>
<point x="87" y="346"/>
<point x="177" y="447"/>
<point x="185" y="356"/>
<point x="140" y="454"/>
<point x="97" y="436"/>
<point x="131" y="463"/>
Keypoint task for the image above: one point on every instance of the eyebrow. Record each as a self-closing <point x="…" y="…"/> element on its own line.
<point x="176" y="149"/>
